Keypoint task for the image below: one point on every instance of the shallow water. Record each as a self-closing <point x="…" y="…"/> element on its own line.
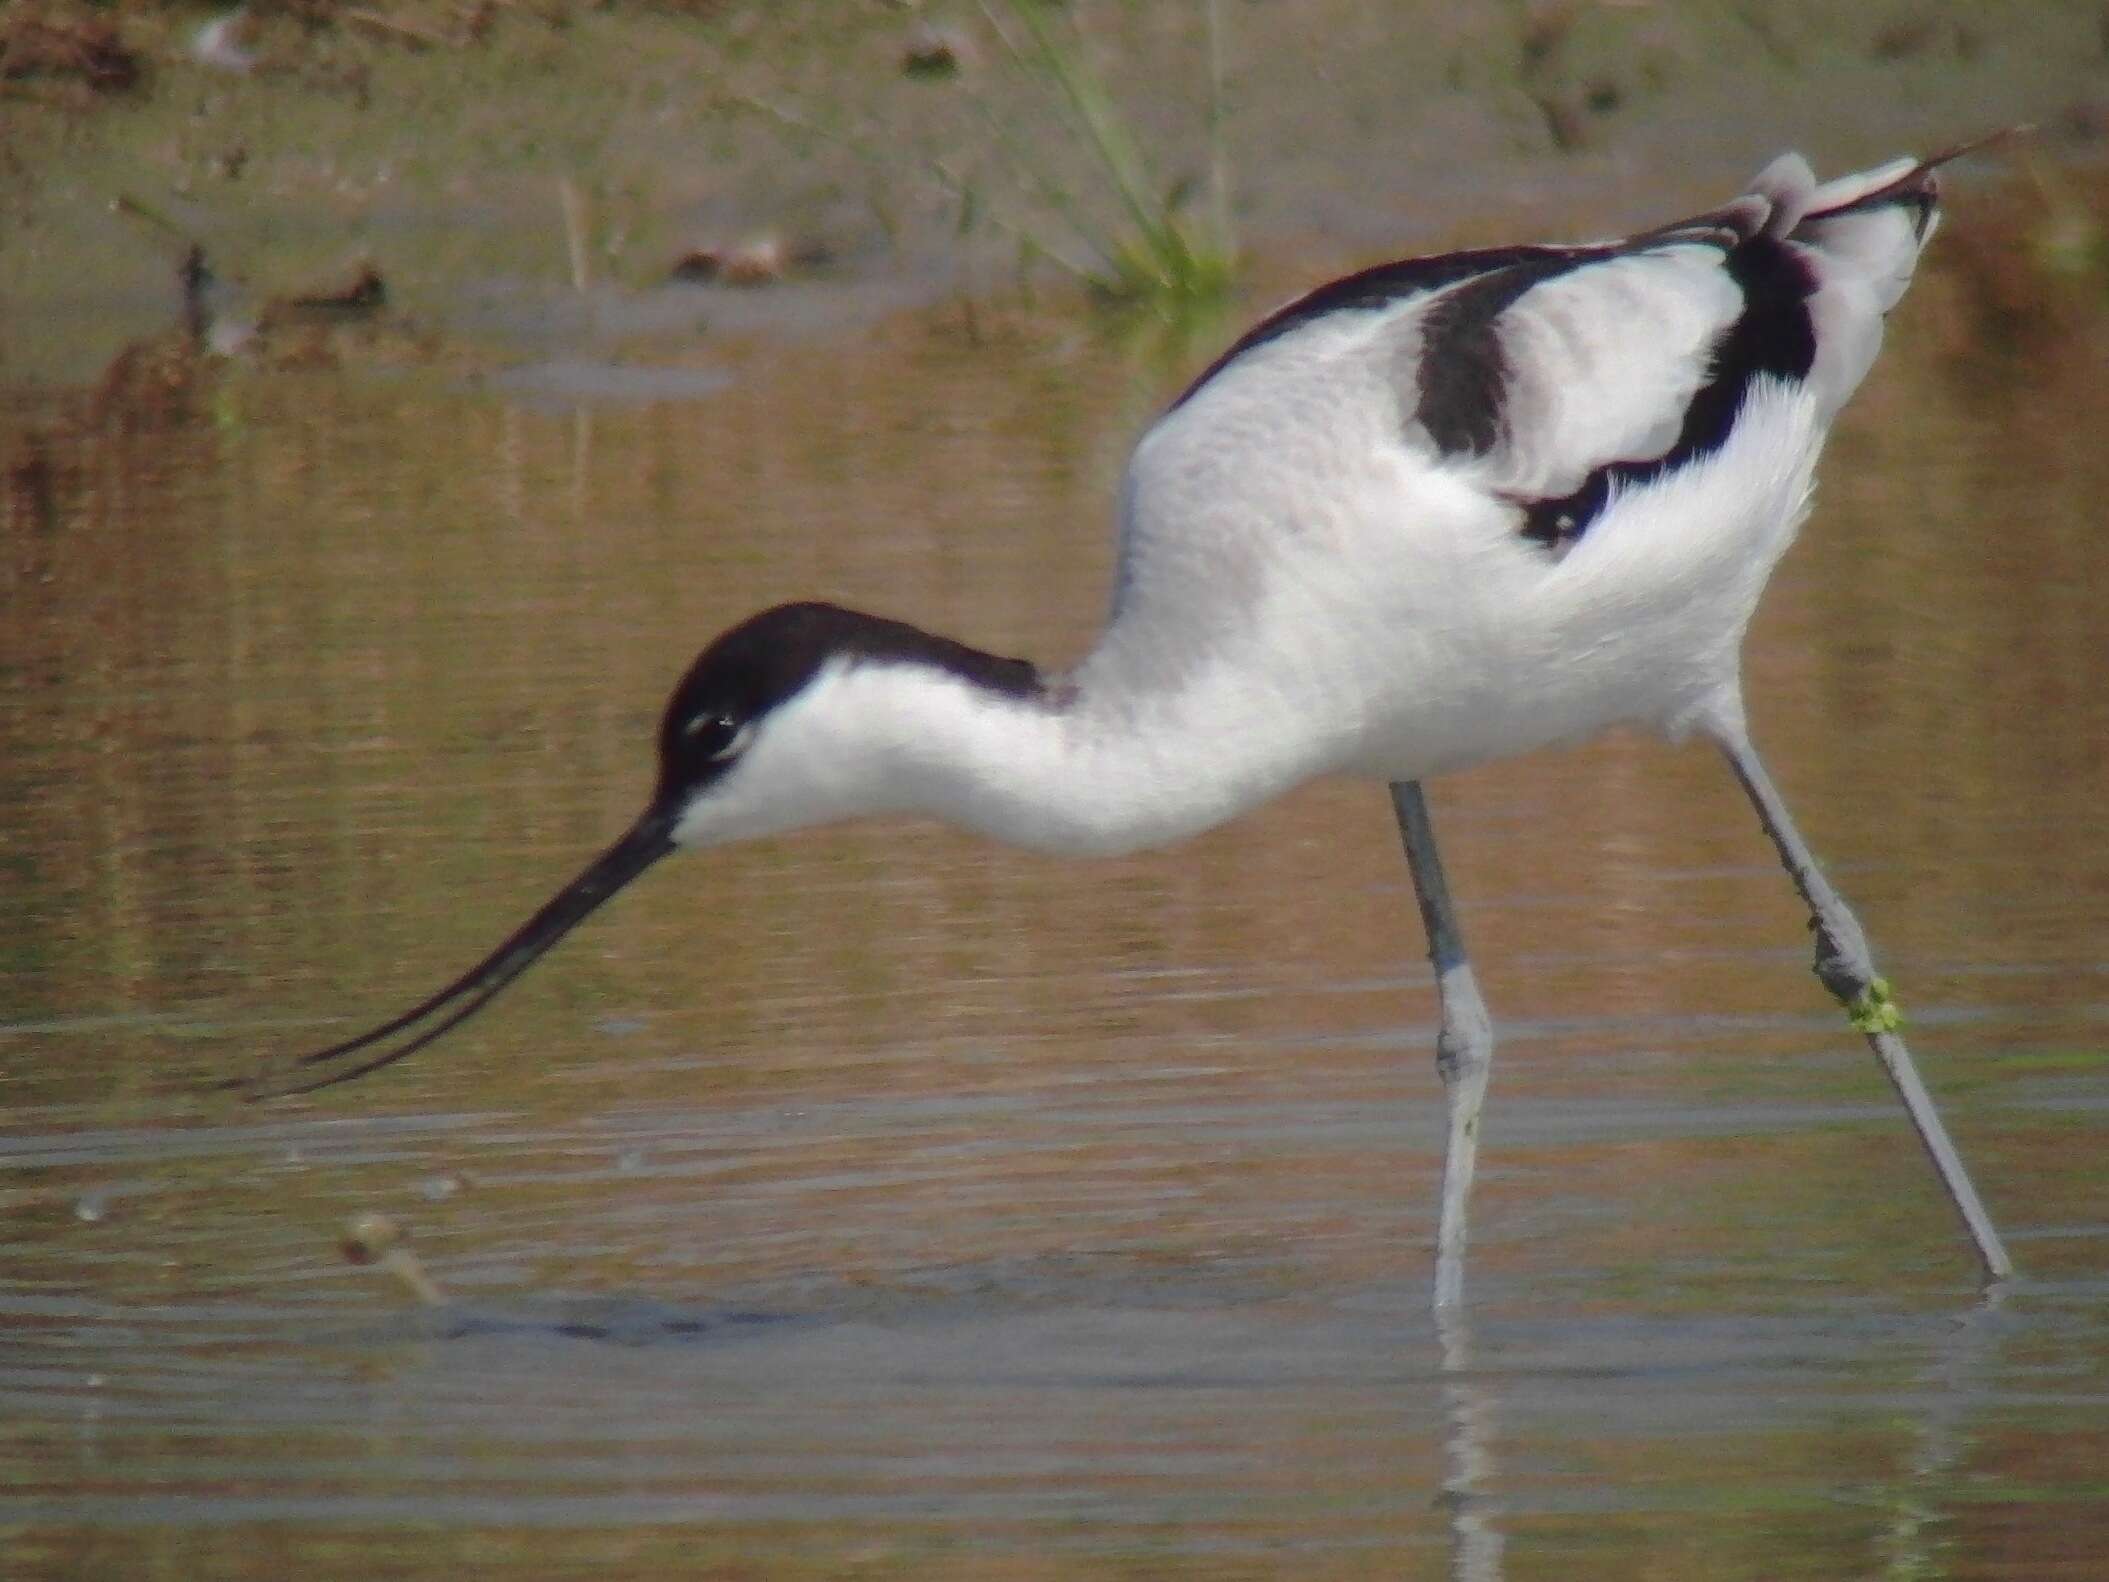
<point x="877" y="1203"/>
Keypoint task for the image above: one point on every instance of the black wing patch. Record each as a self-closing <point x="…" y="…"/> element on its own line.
<point x="1462" y="378"/>
<point x="1463" y="375"/>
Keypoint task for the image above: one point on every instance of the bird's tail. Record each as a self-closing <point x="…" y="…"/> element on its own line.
<point x="1873" y="223"/>
<point x="1859" y="237"/>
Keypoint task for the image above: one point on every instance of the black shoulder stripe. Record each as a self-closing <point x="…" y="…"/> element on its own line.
<point x="1772" y="337"/>
<point x="1378" y="287"/>
<point x="1381" y="285"/>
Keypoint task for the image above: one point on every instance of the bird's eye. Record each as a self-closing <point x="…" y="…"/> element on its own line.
<point x="716" y="736"/>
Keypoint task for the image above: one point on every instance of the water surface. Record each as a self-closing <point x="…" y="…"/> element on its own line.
<point x="878" y="1203"/>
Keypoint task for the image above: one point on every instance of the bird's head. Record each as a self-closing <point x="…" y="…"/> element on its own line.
<point x="786" y="720"/>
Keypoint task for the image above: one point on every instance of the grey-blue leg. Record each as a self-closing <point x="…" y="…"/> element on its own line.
<point x="1464" y="1048"/>
<point x="1847" y="969"/>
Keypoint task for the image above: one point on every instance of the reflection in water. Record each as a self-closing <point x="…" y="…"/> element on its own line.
<point x="1957" y="1376"/>
<point x="1088" y="1207"/>
<point x="1962" y="1360"/>
<point x="1469" y="1464"/>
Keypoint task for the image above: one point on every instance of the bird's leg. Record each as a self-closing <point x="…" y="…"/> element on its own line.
<point x="1464" y="1048"/>
<point x="1847" y="969"/>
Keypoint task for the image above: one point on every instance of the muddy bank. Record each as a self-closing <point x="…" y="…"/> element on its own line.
<point x="531" y="177"/>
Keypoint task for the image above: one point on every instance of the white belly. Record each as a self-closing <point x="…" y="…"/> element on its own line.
<point x="1394" y="625"/>
<point x="1640" y="624"/>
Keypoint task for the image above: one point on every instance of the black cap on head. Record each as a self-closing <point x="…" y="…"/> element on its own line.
<point x="770" y="658"/>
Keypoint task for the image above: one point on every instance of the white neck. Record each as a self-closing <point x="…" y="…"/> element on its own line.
<point x="1084" y="770"/>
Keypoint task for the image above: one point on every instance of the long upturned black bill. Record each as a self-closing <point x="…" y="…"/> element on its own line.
<point x="649" y="839"/>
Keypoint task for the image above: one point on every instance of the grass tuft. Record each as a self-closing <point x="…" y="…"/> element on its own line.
<point x="1158" y="254"/>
